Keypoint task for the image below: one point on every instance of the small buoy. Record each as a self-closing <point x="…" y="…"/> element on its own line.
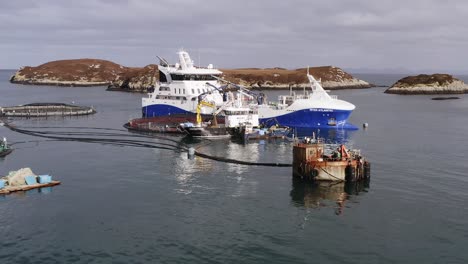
<point x="191" y="153"/>
<point x="365" y="125"/>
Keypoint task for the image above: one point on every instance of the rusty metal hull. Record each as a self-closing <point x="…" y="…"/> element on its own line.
<point x="310" y="163"/>
<point x="323" y="170"/>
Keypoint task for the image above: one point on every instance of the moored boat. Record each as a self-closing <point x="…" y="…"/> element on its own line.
<point x="181" y="85"/>
<point x="314" y="108"/>
<point x="235" y="113"/>
<point x="5" y="148"/>
<point x="249" y="132"/>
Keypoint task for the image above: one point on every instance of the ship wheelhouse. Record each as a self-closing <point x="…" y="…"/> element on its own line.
<point x="181" y="86"/>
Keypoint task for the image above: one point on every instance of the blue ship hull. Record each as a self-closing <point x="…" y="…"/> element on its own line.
<point x="312" y="119"/>
<point x="163" y="110"/>
<point x="308" y="118"/>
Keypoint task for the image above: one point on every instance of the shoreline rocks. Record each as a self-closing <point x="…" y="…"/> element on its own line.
<point x="428" y="84"/>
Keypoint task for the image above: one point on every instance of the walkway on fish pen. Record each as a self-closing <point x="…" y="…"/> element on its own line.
<point x="46" y="109"/>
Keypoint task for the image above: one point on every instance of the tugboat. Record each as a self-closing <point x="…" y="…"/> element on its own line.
<point x="312" y="162"/>
<point x="4" y="148"/>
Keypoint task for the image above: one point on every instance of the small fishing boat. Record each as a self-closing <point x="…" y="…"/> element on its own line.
<point x="4" y="148"/>
<point x="236" y="115"/>
<point x="249" y="132"/>
<point x="208" y="131"/>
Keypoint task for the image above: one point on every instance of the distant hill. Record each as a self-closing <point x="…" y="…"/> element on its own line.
<point x="95" y="72"/>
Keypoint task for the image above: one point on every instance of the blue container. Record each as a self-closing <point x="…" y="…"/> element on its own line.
<point x="45" y="178"/>
<point x="30" y="180"/>
<point x="2" y="184"/>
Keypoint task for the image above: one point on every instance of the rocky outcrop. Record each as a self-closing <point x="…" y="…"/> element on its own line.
<point x="80" y="72"/>
<point x="136" y="79"/>
<point x="93" y="72"/>
<point x="428" y="84"/>
<point x="333" y="78"/>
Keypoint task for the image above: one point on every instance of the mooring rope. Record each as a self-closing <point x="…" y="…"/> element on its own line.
<point x="331" y="174"/>
<point x="65" y="136"/>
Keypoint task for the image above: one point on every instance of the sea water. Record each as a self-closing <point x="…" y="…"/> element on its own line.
<point x="121" y="204"/>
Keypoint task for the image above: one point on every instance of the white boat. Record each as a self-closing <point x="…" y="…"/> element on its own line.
<point x="179" y="87"/>
<point x="236" y="115"/>
<point x="314" y="108"/>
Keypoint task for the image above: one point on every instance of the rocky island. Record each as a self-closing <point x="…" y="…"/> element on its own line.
<point x="333" y="78"/>
<point x="428" y="84"/>
<point x="93" y="72"/>
<point x="82" y="72"/>
<point x="136" y="79"/>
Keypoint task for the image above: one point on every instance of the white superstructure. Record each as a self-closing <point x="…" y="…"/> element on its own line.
<point x="180" y="87"/>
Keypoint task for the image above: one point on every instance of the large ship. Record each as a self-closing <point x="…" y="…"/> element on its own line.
<point x="315" y="108"/>
<point x="182" y="86"/>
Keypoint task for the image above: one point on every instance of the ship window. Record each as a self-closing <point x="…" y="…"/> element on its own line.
<point x="193" y="77"/>
<point x="183" y="90"/>
<point x="179" y="91"/>
<point x="193" y="91"/>
<point x="182" y="77"/>
<point x="177" y="77"/>
<point x="162" y="77"/>
<point x="198" y="90"/>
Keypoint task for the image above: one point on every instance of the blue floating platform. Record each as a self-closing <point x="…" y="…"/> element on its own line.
<point x="2" y="184"/>
<point x="30" y="180"/>
<point x="45" y="178"/>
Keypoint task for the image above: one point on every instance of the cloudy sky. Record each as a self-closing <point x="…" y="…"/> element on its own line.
<point x="362" y="35"/>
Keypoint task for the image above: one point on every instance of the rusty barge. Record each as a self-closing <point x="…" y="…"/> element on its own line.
<point x="313" y="161"/>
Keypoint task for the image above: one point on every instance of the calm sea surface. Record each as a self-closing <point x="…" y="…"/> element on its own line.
<point x="121" y="204"/>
